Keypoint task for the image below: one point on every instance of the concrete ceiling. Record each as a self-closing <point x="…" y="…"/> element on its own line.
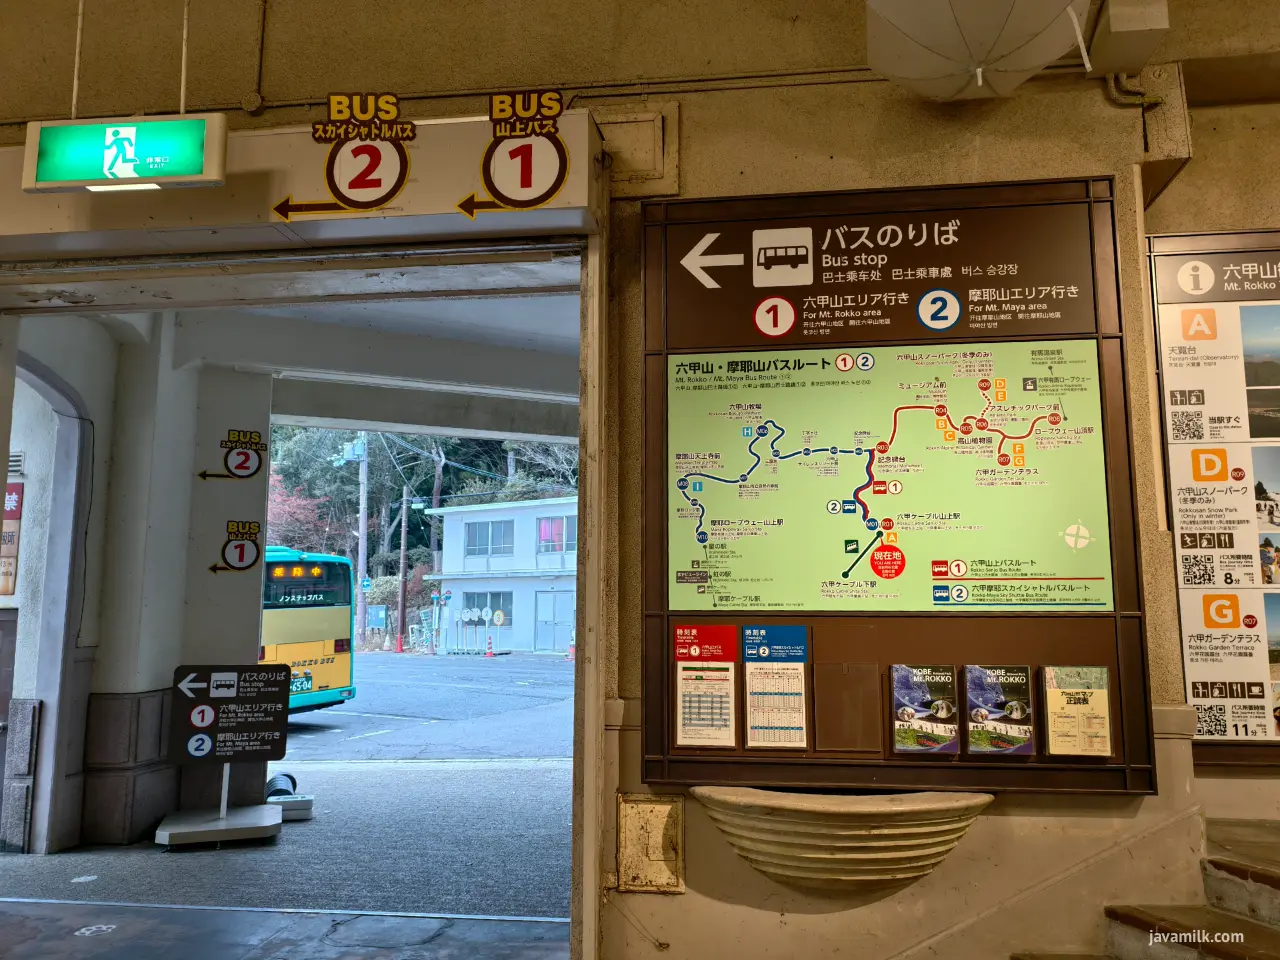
<point x="441" y="273"/>
<point x="547" y="323"/>
<point x="498" y="320"/>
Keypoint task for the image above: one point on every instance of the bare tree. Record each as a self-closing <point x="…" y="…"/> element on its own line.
<point x="558" y="462"/>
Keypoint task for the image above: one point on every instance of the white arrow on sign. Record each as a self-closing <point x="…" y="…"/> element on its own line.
<point x="186" y="686"/>
<point x="696" y="259"/>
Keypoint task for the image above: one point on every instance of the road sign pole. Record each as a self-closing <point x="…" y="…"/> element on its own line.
<point x="404" y="569"/>
<point x="226" y="790"/>
<point x="362" y="550"/>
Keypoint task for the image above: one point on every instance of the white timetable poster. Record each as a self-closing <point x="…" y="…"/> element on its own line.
<point x="774" y="663"/>
<point x="706" y="661"/>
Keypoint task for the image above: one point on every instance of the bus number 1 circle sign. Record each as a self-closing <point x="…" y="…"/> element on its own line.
<point x="775" y="316"/>
<point x="525" y="172"/>
<point x="366" y="174"/>
<point x="240" y="554"/>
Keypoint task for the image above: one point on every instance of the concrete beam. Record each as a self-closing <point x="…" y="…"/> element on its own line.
<point x="128" y="327"/>
<point x="1127" y="34"/>
<point x="1168" y="129"/>
<point x="331" y="351"/>
<point x="348" y="406"/>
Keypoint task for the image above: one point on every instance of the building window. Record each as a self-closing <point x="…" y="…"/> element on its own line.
<point x="491" y="538"/>
<point x="502" y="538"/>
<point x="477" y="541"/>
<point x="495" y="601"/>
<point x="557" y="534"/>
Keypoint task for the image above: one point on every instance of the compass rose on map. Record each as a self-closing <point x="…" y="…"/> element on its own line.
<point x="1077" y="536"/>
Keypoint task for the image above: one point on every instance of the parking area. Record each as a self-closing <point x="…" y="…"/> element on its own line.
<point x="415" y="707"/>
<point x="445" y="787"/>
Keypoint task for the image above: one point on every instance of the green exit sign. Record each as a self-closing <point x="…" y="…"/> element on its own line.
<point x="125" y="153"/>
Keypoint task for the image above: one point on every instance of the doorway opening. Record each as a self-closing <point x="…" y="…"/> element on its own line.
<point x="444" y="785"/>
<point x="459" y="724"/>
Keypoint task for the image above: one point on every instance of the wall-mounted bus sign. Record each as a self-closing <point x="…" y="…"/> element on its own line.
<point x="125" y="153"/>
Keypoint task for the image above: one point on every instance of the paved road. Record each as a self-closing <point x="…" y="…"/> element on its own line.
<point x="470" y="837"/>
<point x="444" y="787"/>
<point x="413" y="707"/>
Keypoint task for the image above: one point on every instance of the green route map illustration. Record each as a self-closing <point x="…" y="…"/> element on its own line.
<point x="888" y="478"/>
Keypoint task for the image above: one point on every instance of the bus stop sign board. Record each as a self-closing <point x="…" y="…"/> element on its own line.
<point x="222" y="714"/>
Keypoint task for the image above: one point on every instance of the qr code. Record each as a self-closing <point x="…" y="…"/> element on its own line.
<point x="1197" y="570"/>
<point x="1211" y="720"/>
<point x="1187" y="425"/>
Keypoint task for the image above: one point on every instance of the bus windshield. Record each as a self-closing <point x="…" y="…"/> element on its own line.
<point x="306" y="584"/>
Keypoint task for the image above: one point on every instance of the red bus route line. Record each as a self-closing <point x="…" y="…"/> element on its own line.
<point x="1003" y="436"/>
<point x="871" y="454"/>
<point x="898" y="410"/>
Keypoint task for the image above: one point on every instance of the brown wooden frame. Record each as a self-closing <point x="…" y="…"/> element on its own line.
<point x="1115" y="638"/>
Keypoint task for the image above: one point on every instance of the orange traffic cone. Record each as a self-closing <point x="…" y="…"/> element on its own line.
<point x="489" y="652"/>
<point x="573" y="649"/>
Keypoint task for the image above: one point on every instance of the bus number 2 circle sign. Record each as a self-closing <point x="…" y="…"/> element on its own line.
<point x="242" y="464"/>
<point x="365" y="175"/>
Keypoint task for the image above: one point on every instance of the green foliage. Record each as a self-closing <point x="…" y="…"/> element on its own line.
<point x="321" y="500"/>
<point x="523" y="487"/>
<point x="385" y="591"/>
<point x="417" y="594"/>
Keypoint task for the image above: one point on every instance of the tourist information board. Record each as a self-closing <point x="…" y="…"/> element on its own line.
<point x="1219" y="327"/>
<point x="886" y="428"/>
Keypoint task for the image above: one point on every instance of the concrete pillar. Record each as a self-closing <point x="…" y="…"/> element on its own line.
<point x="129" y="783"/>
<point x="163" y="604"/>
<point x="228" y="529"/>
<point x="16" y="784"/>
<point x="8" y="372"/>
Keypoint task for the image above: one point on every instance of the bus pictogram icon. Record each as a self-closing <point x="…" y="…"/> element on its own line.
<point x="782" y="257"/>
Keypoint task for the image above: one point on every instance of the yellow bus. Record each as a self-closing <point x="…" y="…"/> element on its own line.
<point x="307" y="624"/>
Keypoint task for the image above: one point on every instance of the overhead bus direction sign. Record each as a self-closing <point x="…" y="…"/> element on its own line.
<point x="867" y="277"/>
<point x="125" y="153"/>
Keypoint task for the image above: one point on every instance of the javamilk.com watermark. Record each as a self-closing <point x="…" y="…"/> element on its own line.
<point x="1195" y="936"/>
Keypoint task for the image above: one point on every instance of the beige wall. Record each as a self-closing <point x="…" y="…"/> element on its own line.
<point x="871" y="135"/>
<point x="773" y="100"/>
<point x="1050" y="850"/>
<point x="1233" y="180"/>
<point x="1219" y="28"/>
<point x="445" y="56"/>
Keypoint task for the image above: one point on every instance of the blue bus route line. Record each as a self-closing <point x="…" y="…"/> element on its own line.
<point x="773" y="448"/>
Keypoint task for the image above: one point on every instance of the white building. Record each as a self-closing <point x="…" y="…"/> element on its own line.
<point x="520" y="558"/>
